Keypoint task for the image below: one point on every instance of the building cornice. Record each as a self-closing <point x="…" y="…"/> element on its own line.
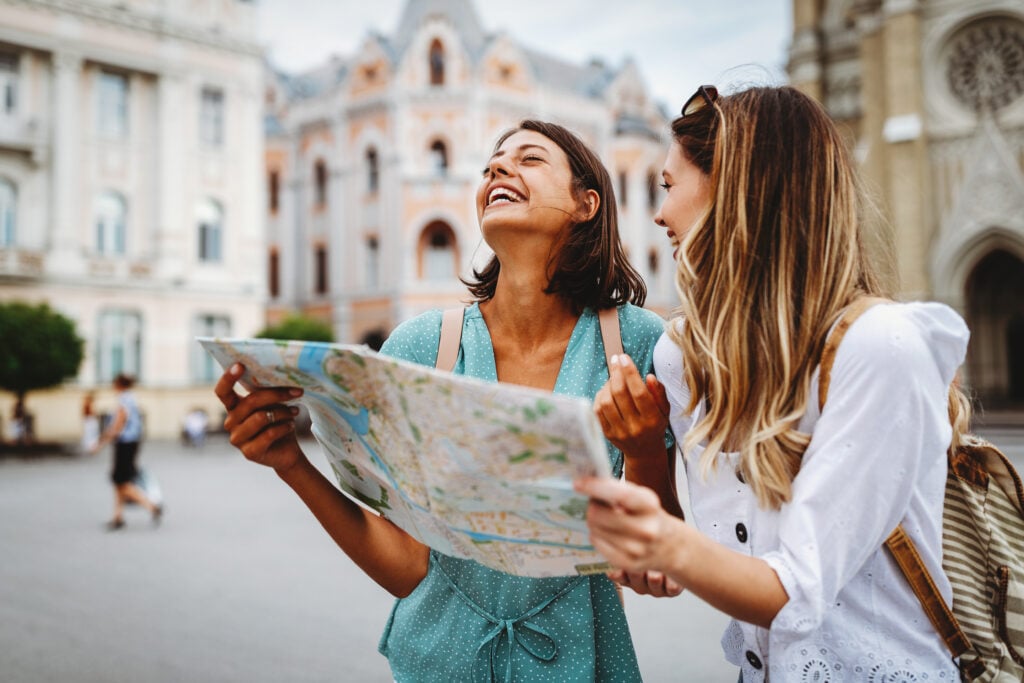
<point x="159" y="27"/>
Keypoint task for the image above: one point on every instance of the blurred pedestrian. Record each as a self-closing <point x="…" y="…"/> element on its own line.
<point x="90" y="423"/>
<point x="21" y="425"/>
<point x="194" y="428"/>
<point x="125" y="432"/>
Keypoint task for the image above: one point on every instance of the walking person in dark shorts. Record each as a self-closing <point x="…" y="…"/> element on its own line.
<point x="125" y="432"/>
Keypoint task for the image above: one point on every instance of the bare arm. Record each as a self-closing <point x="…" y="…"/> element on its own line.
<point x="629" y="527"/>
<point x="112" y="430"/>
<point x="262" y="427"/>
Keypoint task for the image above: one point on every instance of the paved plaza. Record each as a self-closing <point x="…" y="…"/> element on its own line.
<point x="238" y="584"/>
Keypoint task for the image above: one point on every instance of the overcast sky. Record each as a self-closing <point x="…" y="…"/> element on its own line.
<point x="677" y="44"/>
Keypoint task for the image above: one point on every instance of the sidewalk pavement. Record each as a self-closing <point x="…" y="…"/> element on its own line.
<point x="239" y="583"/>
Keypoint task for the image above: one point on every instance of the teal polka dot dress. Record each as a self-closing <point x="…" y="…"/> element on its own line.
<point x="466" y="622"/>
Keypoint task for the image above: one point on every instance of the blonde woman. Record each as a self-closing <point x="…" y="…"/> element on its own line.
<point x="791" y="505"/>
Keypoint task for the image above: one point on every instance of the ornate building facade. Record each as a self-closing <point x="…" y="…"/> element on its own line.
<point x="931" y="93"/>
<point x="131" y="149"/>
<point x="372" y="162"/>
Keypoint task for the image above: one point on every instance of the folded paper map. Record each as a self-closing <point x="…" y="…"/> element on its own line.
<point x="474" y="469"/>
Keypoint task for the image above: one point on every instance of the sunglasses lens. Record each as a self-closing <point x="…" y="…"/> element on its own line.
<point x="705" y="95"/>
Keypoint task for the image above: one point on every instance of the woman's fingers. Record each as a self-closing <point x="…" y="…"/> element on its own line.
<point x="266" y="410"/>
<point x="615" y="493"/>
<point x="650" y="582"/>
<point x="225" y="387"/>
<point x="258" y="403"/>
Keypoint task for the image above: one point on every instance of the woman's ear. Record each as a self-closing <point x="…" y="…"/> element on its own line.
<point x="589" y="204"/>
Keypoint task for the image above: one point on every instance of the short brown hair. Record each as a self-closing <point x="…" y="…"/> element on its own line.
<point x="591" y="269"/>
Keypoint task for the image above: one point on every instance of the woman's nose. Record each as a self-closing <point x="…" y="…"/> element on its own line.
<point x="658" y="220"/>
<point x="499" y="167"/>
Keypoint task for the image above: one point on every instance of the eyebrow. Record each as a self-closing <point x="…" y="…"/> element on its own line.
<point x="520" y="149"/>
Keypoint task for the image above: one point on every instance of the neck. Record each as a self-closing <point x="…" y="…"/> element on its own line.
<point x="521" y="310"/>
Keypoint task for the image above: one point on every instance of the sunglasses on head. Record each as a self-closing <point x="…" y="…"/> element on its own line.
<point x="704" y="97"/>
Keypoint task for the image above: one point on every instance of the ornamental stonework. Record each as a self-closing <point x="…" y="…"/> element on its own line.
<point x="985" y="66"/>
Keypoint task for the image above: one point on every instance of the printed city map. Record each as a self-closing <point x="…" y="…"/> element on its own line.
<point x="474" y="469"/>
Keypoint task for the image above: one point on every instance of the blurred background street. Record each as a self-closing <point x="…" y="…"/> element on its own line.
<point x="239" y="583"/>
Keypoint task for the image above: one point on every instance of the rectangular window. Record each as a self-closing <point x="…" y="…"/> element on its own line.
<point x="205" y="369"/>
<point x="211" y="117"/>
<point x="110" y="220"/>
<point x="321" y="269"/>
<point x="209" y="242"/>
<point x="118" y="344"/>
<point x="9" y="76"/>
<point x="113" y="105"/>
<point x="274" y="274"/>
<point x="372" y="263"/>
<point x="273" y="190"/>
<point x="8" y="212"/>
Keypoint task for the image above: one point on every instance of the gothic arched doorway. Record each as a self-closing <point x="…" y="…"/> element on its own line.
<point x="995" y="314"/>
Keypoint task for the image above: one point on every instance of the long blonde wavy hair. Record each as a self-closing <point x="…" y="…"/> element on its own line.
<point x="779" y="254"/>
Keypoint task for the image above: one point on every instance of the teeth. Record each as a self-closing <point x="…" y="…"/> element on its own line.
<point x="504" y="194"/>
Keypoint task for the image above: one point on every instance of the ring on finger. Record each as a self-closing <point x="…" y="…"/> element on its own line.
<point x="270" y="416"/>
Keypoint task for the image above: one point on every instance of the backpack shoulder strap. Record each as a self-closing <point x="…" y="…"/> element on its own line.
<point x="898" y="543"/>
<point x="451" y="339"/>
<point x="451" y="336"/>
<point x="611" y="335"/>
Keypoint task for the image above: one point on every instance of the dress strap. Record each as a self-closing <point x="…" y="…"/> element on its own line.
<point x="543" y="648"/>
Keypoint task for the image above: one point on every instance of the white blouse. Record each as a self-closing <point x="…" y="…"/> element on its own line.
<point x="877" y="458"/>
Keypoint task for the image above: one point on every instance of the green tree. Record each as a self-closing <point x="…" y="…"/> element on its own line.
<point x="296" y="326"/>
<point x="38" y="348"/>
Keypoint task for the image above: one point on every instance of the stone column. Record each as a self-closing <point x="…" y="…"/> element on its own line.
<point x="805" y="56"/>
<point x="906" y="148"/>
<point x="70" y="230"/>
<point x="871" y="145"/>
<point x="173" y="211"/>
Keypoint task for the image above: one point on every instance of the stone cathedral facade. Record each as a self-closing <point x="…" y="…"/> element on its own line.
<point x="931" y="94"/>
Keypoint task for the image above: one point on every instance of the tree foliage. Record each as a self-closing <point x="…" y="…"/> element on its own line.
<point x="38" y="347"/>
<point x="299" y="327"/>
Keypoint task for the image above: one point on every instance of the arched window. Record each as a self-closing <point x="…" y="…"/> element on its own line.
<point x="374" y="339"/>
<point x="320" y="180"/>
<point x="110" y="218"/>
<point x="210" y="223"/>
<point x="8" y="212"/>
<point x="436" y="63"/>
<point x="438" y="158"/>
<point x="437" y="252"/>
<point x="372" y="170"/>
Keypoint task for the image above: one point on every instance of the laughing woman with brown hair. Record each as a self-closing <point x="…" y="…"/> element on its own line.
<point x="546" y="207"/>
